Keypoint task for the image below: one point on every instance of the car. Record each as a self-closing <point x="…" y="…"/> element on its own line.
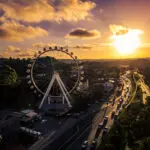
<point x="105" y="121"/>
<point x="84" y="145"/>
<point x="121" y="101"/>
<point x="105" y="131"/>
<point x="115" y="117"/>
<point x="99" y="129"/>
<point x="112" y="114"/>
<point x="124" y="105"/>
<point x="97" y="102"/>
<point x="106" y="128"/>
<point x="68" y="114"/>
<point x="43" y="120"/>
<point x="118" y="106"/>
<point x="119" y="112"/>
<point x="93" y="145"/>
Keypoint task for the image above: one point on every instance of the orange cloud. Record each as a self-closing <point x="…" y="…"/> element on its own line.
<point x="13" y="31"/>
<point x="121" y="30"/>
<point x="40" y="10"/>
<point x="117" y="29"/>
<point x="16" y="52"/>
<point x="40" y="46"/>
<point x="84" y="34"/>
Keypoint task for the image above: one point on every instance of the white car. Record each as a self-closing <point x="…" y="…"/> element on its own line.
<point x="84" y="145"/>
<point x="43" y="121"/>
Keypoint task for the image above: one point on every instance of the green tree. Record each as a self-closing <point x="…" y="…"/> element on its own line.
<point x="148" y="100"/>
<point x="8" y="76"/>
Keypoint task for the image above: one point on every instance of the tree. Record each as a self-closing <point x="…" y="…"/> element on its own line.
<point x="8" y="76"/>
<point x="148" y="100"/>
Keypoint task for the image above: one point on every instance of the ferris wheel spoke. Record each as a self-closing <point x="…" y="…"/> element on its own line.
<point x="42" y="84"/>
<point x="42" y="81"/>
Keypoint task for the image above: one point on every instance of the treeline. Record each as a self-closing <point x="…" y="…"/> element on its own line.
<point x="146" y="73"/>
<point x="19" y="65"/>
<point x="16" y="94"/>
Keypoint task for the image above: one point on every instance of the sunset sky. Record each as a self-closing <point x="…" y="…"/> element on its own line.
<point x="90" y="28"/>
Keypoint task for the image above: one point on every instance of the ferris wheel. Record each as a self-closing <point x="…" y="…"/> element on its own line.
<point x="55" y="73"/>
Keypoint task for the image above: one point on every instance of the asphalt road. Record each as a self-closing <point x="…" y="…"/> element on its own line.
<point x="89" y="133"/>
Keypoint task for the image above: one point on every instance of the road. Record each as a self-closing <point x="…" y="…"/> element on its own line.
<point x="125" y="95"/>
<point x="89" y="133"/>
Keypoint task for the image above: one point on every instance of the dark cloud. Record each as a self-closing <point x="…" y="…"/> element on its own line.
<point x="3" y="33"/>
<point x="83" y="33"/>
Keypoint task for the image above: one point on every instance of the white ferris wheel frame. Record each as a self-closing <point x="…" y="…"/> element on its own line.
<point x="80" y="72"/>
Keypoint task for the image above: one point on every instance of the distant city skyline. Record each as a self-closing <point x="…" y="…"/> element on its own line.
<point x="85" y="26"/>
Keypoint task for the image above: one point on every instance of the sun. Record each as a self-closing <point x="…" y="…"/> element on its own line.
<point x="126" y="42"/>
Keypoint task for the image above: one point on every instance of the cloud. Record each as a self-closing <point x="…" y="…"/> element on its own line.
<point x="11" y="48"/>
<point x="118" y="29"/>
<point x="47" y="10"/>
<point x="84" y="46"/>
<point x="13" y="31"/>
<point x="16" y="52"/>
<point x="40" y="45"/>
<point x="84" y="34"/>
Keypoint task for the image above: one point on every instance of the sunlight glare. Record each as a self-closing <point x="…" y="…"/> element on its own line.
<point x="127" y="43"/>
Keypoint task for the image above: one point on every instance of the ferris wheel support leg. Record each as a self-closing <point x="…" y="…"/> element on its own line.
<point x="64" y="86"/>
<point x="47" y="91"/>
<point x="64" y="93"/>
